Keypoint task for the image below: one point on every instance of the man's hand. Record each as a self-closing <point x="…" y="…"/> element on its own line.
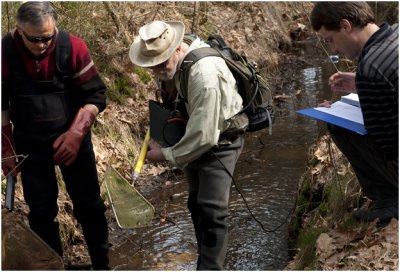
<point x="343" y="82"/>
<point x="154" y="153"/>
<point x="66" y="146"/>
<point x="8" y="156"/>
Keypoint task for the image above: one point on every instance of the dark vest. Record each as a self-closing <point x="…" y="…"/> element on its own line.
<point x="40" y="108"/>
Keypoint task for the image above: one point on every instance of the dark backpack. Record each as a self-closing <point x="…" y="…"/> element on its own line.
<point x="257" y="97"/>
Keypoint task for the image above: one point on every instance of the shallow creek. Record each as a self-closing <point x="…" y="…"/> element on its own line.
<point x="268" y="174"/>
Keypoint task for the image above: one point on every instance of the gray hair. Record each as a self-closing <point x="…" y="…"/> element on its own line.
<point x="35" y="13"/>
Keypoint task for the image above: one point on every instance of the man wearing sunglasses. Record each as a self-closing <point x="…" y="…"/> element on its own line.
<point x="47" y="113"/>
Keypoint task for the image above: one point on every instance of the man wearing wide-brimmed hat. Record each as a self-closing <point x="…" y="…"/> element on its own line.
<point x="206" y="157"/>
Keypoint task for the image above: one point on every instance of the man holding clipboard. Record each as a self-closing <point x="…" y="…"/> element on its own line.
<point x="350" y="29"/>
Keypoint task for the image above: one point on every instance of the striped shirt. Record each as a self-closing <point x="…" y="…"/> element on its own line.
<point x="377" y="86"/>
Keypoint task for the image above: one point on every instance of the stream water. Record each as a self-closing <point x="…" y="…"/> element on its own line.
<point x="268" y="174"/>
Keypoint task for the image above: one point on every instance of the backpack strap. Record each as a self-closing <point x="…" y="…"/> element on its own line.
<point x="63" y="53"/>
<point x="191" y="58"/>
<point x="12" y="55"/>
<point x="197" y="54"/>
<point x="189" y="38"/>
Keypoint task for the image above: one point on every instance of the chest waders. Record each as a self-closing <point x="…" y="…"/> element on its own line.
<point x="40" y="108"/>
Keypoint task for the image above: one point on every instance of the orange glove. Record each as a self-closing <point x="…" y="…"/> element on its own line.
<point x="8" y="156"/>
<point x="67" y="145"/>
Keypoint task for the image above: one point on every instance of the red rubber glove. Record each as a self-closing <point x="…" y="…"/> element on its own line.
<point x="67" y="145"/>
<point x="8" y="156"/>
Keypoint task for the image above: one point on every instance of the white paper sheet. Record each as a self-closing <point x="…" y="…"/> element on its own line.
<point x="345" y="111"/>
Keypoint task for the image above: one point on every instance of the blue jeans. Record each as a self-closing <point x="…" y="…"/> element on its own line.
<point x="209" y="192"/>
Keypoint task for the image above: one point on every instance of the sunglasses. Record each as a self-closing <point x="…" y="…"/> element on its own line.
<point x="38" y="39"/>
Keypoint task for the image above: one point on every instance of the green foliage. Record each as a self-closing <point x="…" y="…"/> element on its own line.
<point x="306" y="244"/>
<point x="3" y="185"/>
<point x="304" y="197"/>
<point x="119" y="90"/>
<point x="296" y="16"/>
<point x="144" y="76"/>
<point x="302" y="204"/>
<point x="350" y="224"/>
<point x="323" y="209"/>
<point x="122" y="86"/>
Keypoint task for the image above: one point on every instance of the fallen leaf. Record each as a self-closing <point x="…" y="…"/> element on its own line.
<point x="324" y="247"/>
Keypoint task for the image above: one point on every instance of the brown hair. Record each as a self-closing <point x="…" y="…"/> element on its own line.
<point x="329" y="14"/>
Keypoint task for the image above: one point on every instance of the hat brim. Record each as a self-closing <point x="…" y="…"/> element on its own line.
<point x="144" y="61"/>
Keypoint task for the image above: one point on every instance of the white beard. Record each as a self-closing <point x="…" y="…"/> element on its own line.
<point x="165" y="75"/>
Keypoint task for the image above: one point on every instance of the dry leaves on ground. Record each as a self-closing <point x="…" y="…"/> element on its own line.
<point x="377" y="250"/>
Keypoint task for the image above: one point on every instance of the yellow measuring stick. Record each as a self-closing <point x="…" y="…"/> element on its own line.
<point x="143" y="151"/>
<point x="142" y="156"/>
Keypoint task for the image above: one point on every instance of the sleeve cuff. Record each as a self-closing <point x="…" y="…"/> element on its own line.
<point x="167" y="152"/>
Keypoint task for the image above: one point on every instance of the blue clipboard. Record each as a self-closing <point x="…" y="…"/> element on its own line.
<point x="335" y="120"/>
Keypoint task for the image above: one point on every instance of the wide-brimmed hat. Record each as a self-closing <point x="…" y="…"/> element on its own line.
<point x="156" y="43"/>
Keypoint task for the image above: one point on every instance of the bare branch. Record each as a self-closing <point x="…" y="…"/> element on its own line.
<point x="112" y="14"/>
